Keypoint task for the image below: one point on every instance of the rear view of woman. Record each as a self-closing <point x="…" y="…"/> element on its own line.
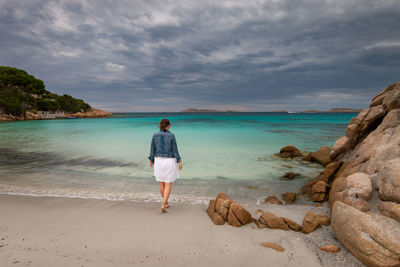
<point x="164" y="157"/>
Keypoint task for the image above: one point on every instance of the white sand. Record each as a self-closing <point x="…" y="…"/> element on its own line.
<point x="44" y="231"/>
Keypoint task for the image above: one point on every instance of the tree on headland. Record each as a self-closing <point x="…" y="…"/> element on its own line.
<point x="21" y="92"/>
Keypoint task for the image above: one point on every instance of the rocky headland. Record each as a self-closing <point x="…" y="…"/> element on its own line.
<point x="360" y="182"/>
<point x="24" y="97"/>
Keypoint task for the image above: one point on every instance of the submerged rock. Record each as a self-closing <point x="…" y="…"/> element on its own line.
<point x="372" y="238"/>
<point x="273" y="200"/>
<point x="289" y="176"/>
<point x="289" y="197"/>
<point x="289" y="152"/>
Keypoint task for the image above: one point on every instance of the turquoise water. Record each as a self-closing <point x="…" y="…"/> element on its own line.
<point x="107" y="158"/>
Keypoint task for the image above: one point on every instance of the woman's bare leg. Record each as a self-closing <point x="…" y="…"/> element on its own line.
<point x="162" y="188"/>
<point x="167" y="191"/>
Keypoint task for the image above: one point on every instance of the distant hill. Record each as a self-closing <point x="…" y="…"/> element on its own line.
<point x="334" y="110"/>
<point x="22" y="94"/>
<point x="205" y="110"/>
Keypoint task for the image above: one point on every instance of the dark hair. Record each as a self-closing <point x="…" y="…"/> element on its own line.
<point x="164" y="123"/>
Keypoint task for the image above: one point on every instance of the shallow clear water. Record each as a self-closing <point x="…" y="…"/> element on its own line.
<point x="107" y="158"/>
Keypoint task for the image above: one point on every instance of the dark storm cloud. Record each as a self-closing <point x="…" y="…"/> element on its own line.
<point x="170" y="55"/>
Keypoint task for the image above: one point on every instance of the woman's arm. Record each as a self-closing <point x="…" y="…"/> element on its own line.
<point x="152" y="152"/>
<point x="175" y="151"/>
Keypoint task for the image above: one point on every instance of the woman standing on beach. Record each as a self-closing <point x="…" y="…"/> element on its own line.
<point x="164" y="157"/>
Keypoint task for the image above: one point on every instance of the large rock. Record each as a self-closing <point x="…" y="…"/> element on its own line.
<point x="321" y="156"/>
<point x="329" y="171"/>
<point x="379" y="146"/>
<point x="359" y="185"/>
<point x="238" y="215"/>
<point x="357" y="203"/>
<point x="222" y="205"/>
<point x="369" y="122"/>
<point x="388" y="180"/>
<point x="318" y="191"/>
<point x="379" y="98"/>
<point x="354" y="190"/>
<point x="289" y="197"/>
<point x="214" y="216"/>
<point x="343" y="144"/>
<point x="351" y="132"/>
<point x="313" y="220"/>
<point x="372" y="238"/>
<point x="289" y="152"/>
<point x="223" y="208"/>
<point x="292" y="224"/>
<point x="392" y="99"/>
<point x="306" y="189"/>
<point x="390" y="209"/>
<point x="272" y="221"/>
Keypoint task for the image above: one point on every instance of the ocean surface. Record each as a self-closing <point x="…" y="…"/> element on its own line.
<point x="107" y="158"/>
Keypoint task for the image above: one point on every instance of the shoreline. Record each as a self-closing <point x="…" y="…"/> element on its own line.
<point x="6" y="118"/>
<point x="39" y="231"/>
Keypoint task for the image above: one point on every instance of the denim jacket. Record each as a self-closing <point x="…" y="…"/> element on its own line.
<point x="164" y="144"/>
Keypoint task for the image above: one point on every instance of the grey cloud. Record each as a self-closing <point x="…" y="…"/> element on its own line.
<point x="169" y="55"/>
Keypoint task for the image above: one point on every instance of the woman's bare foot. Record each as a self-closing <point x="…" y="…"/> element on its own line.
<point x="163" y="208"/>
<point x="166" y="205"/>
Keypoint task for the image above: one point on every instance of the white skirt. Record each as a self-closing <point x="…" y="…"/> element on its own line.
<point x="165" y="169"/>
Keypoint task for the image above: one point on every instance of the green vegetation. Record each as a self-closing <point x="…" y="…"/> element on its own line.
<point x="21" y="92"/>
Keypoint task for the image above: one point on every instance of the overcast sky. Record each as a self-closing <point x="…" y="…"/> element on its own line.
<point x="170" y="55"/>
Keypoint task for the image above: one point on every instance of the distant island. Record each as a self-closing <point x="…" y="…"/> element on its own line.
<point x="24" y="97"/>
<point x="333" y="110"/>
<point x="206" y="110"/>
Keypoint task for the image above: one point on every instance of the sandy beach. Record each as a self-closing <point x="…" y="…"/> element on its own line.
<point x="46" y="231"/>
